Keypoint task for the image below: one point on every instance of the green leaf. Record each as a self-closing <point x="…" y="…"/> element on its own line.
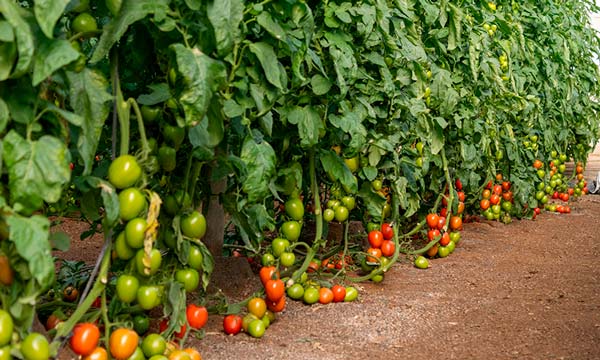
<point x="24" y="35"/>
<point x="51" y="56"/>
<point x="320" y="84"/>
<point x="337" y="170"/>
<point x="208" y="264"/>
<point x="6" y="32"/>
<point x="207" y="134"/>
<point x="260" y="160"/>
<point x="269" y="63"/>
<point x="47" y="13"/>
<point x="265" y="20"/>
<point x="202" y="77"/>
<point x="193" y="4"/>
<point x="160" y="93"/>
<point x="110" y="199"/>
<point x="60" y="241"/>
<point x="89" y="98"/>
<point x="225" y="17"/>
<point x="309" y="124"/>
<point x="131" y="12"/>
<point x="174" y="307"/>
<point x="30" y="236"/>
<point x="4" y="115"/>
<point x="37" y="170"/>
<point x="73" y="118"/>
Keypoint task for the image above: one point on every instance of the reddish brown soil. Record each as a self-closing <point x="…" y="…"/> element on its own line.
<point x="528" y="290"/>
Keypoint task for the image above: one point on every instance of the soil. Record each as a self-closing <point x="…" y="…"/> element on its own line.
<point x="527" y="290"/>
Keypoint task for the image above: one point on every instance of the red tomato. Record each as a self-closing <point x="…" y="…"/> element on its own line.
<point x="85" y="338"/>
<point x="461" y="196"/>
<point x="484" y="204"/>
<point x="444" y="212"/>
<point x="232" y="324"/>
<point x="489" y="185"/>
<point x="374" y="254"/>
<point x="388" y="248"/>
<point x="276" y="306"/>
<point x="387" y="231"/>
<point x="458" y="184"/>
<point x="497" y="189"/>
<point x="494" y="199"/>
<point x="445" y="240"/>
<point x="274" y="289"/>
<point x="441" y="222"/>
<point x="537" y="210"/>
<point x="432" y="220"/>
<point x="375" y="238"/>
<point x="555" y="195"/>
<point x="197" y="316"/>
<point x="164" y="324"/>
<point x="267" y="273"/>
<point x="506" y="185"/>
<point x="507" y="196"/>
<point x="455" y="223"/>
<point x="339" y="293"/>
<point x="432" y="234"/>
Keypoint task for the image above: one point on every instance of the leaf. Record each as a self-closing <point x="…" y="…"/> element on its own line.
<point x="51" y="56"/>
<point x="269" y="63"/>
<point x="37" y="170"/>
<point x="60" y="241"/>
<point x="232" y="109"/>
<point x="208" y="133"/>
<point x="6" y="32"/>
<point x="320" y="84"/>
<point x="73" y="118"/>
<point x="88" y="97"/>
<point x="47" y="13"/>
<point x="225" y="17"/>
<point x="202" y="77"/>
<point x="337" y="170"/>
<point x="208" y="264"/>
<point x="30" y="236"/>
<point x="174" y="307"/>
<point x="160" y="93"/>
<point x="110" y="199"/>
<point x="4" y="115"/>
<point x="309" y="124"/>
<point x="260" y="160"/>
<point x="131" y="12"/>
<point x="23" y="34"/>
<point x="265" y="20"/>
<point x="193" y="4"/>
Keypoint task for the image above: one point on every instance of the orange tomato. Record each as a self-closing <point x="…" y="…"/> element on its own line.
<point x="325" y="295"/>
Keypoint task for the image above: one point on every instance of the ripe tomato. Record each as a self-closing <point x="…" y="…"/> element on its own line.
<point x="131" y="203"/>
<point x="194" y="225"/>
<point x="433" y="234"/>
<point x="456" y="222"/>
<point x="537" y="164"/>
<point x="154" y="344"/>
<point x="441" y="222"/>
<point x="257" y="306"/>
<point x="432" y="251"/>
<point x="460" y="208"/>
<point x="458" y="184"/>
<point x="190" y="278"/>
<point x="267" y="273"/>
<point x="70" y="293"/>
<point x="127" y="286"/>
<point x="387" y="230"/>
<point x="51" y="322"/>
<point x="485" y="194"/>
<point x="291" y="230"/>
<point x="339" y="293"/>
<point x="489" y="185"/>
<point x="232" y="324"/>
<point x="124" y="171"/>
<point x="497" y="189"/>
<point x="325" y="295"/>
<point x="179" y="354"/>
<point x="276" y="306"/>
<point x="433" y="220"/>
<point x="484" y="204"/>
<point x="498" y="177"/>
<point x="461" y="196"/>
<point x="494" y="199"/>
<point x="197" y="316"/>
<point x="506" y="185"/>
<point x="444" y="212"/>
<point x="164" y="324"/>
<point x="295" y="208"/>
<point x="98" y="353"/>
<point x="84" y="339"/>
<point x="507" y="196"/>
<point x="313" y="266"/>
<point x="445" y="240"/>
<point x="375" y="238"/>
<point x="35" y="347"/>
<point x="274" y="289"/>
<point x="374" y="254"/>
<point x="388" y="248"/>
<point x="194" y="354"/>
<point x="6" y="327"/>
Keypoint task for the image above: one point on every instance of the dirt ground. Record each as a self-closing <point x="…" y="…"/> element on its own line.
<point x="528" y="290"/>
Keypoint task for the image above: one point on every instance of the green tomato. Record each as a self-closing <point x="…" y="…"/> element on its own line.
<point x="148" y="296"/>
<point x="295" y="209"/>
<point x="158" y="357"/>
<point x="138" y="354"/>
<point x="377" y="278"/>
<point x="376" y="184"/>
<point x="256" y="328"/>
<point x="35" y="347"/>
<point x="443" y="251"/>
<point x="419" y="145"/>
<point x="349" y="202"/>
<point x="419" y="162"/>
<point x="267" y="259"/>
<point x="295" y="291"/>
<point x="351" y="294"/>
<point x="279" y="246"/>
<point x="189" y="278"/>
<point x="341" y="213"/>
<point x="141" y="323"/>
<point x="149" y="113"/>
<point x="80" y="5"/>
<point x="84" y="23"/>
<point x="6" y="327"/>
<point x="114" y="6"/>
<point x="451" y="245"/>
<point x="291" y="230"/>
<point x="131" y="203"/>
<point x="311" y="295"/>
<point x="455" y="237"/>
<point x="266" y="320"/>
<point x="506" y="206"/>
<point x="421" y="262"/>
<point x="135" y="232"/>
<point x="248" y="318"/>
<point x="533" y="138"/>
<point x="124" y="251"/>
<point x="541" y="186"/>
<point x="553" y="154"/>
<point x="167" y="158"/>
<point x="352" y="163"/>
<point x="124" y="171"/>
<point x="328" y="215"/>
<point x="127" y="287"/>
<point x="174" y="135"/>
<point x="5" y="353"/>
<point x="194" y="225"/>
<point x="287" y="259"/>
<point x="539" y="195"/>
<point x="155" y="261"/>
<point x="333" y="204"/>
<point x="195" y="258"/>
<point x="496" y="209"/>
<point x="154" y="344"/>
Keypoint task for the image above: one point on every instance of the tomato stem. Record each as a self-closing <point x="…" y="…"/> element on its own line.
<point x="140" y="120"/>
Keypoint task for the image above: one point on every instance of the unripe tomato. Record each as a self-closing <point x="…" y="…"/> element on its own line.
<point x="84" y="339"/>
<point x="154" y="262"/>
<point x="35" y="347"/>
<point x="257" y="306"/>
<point x="351" y="294"/>
<point x="190" y="278"/>
<point x="328" y="215"/>
<point x="6" y="327"/>
<point x="135" y="232"/>
<point x="131" y="203"/>
<point x="154" y="344"/>
<point x="295" y="209"/>
<point x="84" y="23"/>
<point x="291" y="230"/>
<point x="148" y="296"/>
<point x="124" y="172"/>
<point x="194" y="225"/>
<point x="287" y="259"/>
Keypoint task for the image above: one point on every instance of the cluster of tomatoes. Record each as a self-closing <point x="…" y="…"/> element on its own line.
<point x="381" y="249"/>
<point x="339" y="209"/>
<point x="125" y="343"/>
<point x="497" y="200"/>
